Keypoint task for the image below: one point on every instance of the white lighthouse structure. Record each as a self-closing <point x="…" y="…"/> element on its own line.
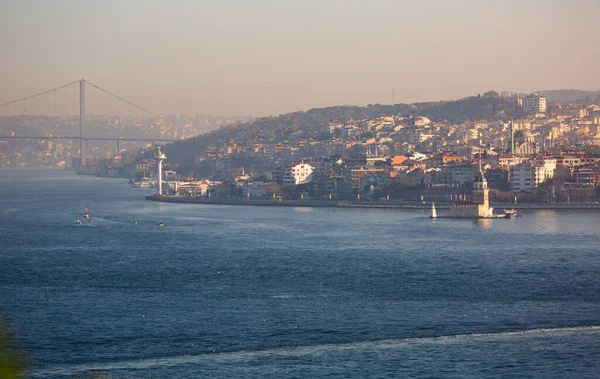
<point x="479" y="206"/>
<point x="160" y="157"/>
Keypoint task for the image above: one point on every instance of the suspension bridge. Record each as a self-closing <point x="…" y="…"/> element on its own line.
<point x="83" y="136"/>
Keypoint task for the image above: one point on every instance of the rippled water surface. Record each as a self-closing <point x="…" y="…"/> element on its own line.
<point x="245" y="292"/>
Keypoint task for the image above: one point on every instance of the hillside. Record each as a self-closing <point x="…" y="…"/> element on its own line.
<point x="570" y="95"/>
<point x="314" y="121"/>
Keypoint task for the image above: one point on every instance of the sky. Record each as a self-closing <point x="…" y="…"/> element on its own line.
<point x="266" y="57"/>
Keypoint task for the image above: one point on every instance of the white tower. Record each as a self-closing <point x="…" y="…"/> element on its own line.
<point x="480" y="188"/>
<point x="481" y="194"/>
<point x="160" y="156"/>
<point x="82" y="140"/>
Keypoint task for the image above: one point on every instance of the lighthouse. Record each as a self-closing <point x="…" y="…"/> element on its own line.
<point x="160" y="157"/>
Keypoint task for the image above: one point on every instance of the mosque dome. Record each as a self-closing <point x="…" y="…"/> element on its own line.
<point x="524" y="136"/>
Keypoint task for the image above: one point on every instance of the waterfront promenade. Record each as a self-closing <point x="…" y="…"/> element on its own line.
<point x="356" y="204"/>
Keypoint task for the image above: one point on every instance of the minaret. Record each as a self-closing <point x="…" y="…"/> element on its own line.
<point x="160" y="156"/>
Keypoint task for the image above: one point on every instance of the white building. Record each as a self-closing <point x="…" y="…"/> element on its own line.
<point x="533" y="103"/>
<point x="510" y="160"/>
<point x="526" y="176"/>
<point x="298" y="173"/>
<point x="194" y="188"/>
<point x="422" y="121"/>
<point x="550" y="166"/>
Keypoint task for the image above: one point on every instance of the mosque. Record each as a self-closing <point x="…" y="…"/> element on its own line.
<point x="522" y="142"/>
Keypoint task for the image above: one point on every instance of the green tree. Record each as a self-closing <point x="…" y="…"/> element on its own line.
<point x="12" y="361"/>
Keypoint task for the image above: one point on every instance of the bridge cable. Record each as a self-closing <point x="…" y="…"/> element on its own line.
<point x="39" y="94"/>
<point x="120" y="98"/>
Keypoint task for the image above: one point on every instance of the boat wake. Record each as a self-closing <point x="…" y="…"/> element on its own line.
<point x="306" y="350"/>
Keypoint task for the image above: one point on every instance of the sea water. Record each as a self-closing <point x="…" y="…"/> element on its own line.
<point x="277" y="292"/>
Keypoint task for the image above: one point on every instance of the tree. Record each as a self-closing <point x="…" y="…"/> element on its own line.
<point x="12" y="362"/>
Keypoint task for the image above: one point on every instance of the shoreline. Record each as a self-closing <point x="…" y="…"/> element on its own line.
<point x="353" y="204"/>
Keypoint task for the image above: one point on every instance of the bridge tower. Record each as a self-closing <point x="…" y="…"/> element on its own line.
<point x="160" y="156"/>
<point x="82" y="141"/>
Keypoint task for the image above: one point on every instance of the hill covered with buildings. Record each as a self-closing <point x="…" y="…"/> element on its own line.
<point x="315" y="123"/>
<point x="531" y="149"/>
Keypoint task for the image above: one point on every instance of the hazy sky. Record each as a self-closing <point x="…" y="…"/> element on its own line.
<point x="261" y="57"/>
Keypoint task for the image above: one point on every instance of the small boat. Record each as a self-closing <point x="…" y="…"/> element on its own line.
<point x="510" y="213"/>
<point x="433" y="212"/>
<point x="160" y="223"/>
<point x="78" y="221"/>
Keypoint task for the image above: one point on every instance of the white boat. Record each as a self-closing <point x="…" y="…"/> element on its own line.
<point x="433" y="212"/>
<point x="509" y="213"/>
<point x="142" y="184"/>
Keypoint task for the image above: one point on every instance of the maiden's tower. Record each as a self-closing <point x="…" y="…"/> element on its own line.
<point x="479" y="206"/>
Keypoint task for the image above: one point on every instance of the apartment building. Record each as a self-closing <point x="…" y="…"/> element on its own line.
<point x="524" y="177"/>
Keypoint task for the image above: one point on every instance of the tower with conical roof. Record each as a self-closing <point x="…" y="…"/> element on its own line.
<point x="481" y="194"/>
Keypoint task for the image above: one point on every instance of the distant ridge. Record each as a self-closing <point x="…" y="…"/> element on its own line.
<point x="569" y="95"/>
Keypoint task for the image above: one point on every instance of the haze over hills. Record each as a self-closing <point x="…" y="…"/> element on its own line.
<point x="273" y="57"/>
<point x="569" y="95"/>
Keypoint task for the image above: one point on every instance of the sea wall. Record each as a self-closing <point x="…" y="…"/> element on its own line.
<point x="357" y="204"/>
<point x="295" y="203"/>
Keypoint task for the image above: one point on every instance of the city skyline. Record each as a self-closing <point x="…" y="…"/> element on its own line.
<point x="263" y="58"/>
